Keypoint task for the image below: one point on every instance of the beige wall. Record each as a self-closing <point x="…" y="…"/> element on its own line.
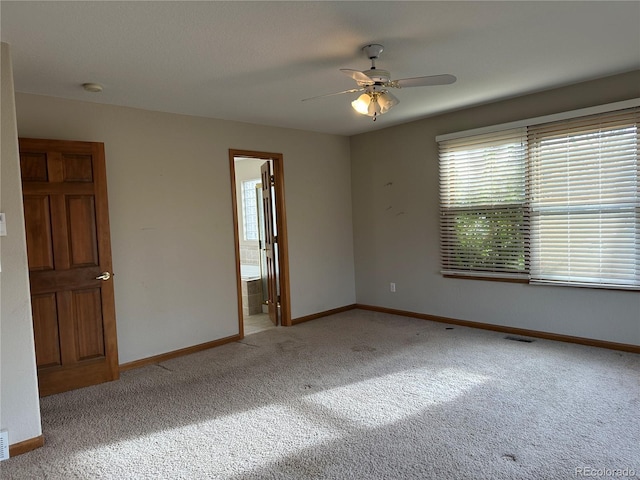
<point x="171" y="216"/>
<point x="396" y="227"/>
<point x="19" y="403"/>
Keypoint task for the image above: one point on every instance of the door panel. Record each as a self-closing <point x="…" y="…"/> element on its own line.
<point x="87" y="316"/>
<point x="81" y="223"/>
<point x="37" y="214"/>
<point x="68" y="246"/>
<point x="47" y="340"/>
<point x="77" y="168"/>
<point x="34" y="167"/>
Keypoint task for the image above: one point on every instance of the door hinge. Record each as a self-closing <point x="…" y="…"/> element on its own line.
<point x="273" y="180"/>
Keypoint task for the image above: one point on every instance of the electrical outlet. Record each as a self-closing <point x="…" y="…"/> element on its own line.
<point x="4" y="445"/>
<point x="392" y="287"/>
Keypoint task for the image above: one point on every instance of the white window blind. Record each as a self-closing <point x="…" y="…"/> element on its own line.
<point x="484" y="213"/>
<point x="585" y="201"/>
<point x="250" y="209"/>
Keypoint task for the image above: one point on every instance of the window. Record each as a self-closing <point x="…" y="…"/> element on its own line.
<point x="250" y="209"/>
<point x="484" y="219"/>
<point x="556" y="202"/>
<point x="585" y="201"/>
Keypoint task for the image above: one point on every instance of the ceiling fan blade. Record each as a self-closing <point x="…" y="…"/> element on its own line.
<point x="424" y="81"/>
<point x="358" y="76"/>
<point x="353" y="90"/>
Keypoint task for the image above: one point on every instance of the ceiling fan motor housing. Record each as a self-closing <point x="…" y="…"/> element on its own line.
<point x="372" y="52"/>
<point x="378" y="75"/>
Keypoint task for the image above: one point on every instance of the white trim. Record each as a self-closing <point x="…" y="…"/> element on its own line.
<point x="567" y="283"/>
<point x="583" y="112"/>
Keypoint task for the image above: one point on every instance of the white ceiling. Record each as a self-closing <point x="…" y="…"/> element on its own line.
<point x="255" y="61"/>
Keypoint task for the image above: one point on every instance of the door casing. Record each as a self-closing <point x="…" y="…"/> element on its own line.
<point x="277" y="160"/>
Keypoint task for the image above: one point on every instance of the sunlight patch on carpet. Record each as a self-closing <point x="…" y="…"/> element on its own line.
<point x="391" y="398"/>
<point x="245" y="441"/>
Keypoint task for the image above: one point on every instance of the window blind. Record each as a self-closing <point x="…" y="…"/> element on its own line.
<point x="585" y="201"/>
<point x="250" y="209"/>
<point x="484" y="214"/>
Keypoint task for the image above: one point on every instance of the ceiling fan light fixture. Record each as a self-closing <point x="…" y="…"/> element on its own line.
<point x="361" y="104"/>
<point x="387" y="101"/>
<point x="374" y="106"/>
<point x="374" y="103"/>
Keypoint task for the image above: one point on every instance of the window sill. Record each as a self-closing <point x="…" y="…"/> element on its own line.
<point x="491" y="279"/>
<point x="539" y="284"/>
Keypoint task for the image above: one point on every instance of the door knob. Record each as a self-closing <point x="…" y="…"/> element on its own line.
<point x="104" y="276"/>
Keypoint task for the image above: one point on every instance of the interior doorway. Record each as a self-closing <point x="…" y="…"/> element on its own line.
<point x="262" y="270"/>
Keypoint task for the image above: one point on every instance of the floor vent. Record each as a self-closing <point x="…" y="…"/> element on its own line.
<point x="519" y="339"/>
<point x="4" y="445"/>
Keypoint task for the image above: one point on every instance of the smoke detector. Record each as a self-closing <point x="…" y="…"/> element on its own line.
<point x="92" y="87"/>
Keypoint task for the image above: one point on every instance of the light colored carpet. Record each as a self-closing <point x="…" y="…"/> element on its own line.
<point x="358" y="395"/>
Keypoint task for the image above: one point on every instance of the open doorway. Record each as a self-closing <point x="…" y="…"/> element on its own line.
<point x="262" y="272"/>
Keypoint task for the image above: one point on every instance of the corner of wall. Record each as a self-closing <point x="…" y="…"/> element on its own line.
<point x="19" y="402"/>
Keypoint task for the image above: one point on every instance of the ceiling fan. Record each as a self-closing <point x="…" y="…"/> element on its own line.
<point x="375" y="82"/>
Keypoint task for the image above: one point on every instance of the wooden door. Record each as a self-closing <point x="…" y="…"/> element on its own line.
<point x="269" y="241"/>
<point x="69" y="255"/>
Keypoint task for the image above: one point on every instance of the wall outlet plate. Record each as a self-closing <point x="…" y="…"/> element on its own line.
<point x="4" y="445"/>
